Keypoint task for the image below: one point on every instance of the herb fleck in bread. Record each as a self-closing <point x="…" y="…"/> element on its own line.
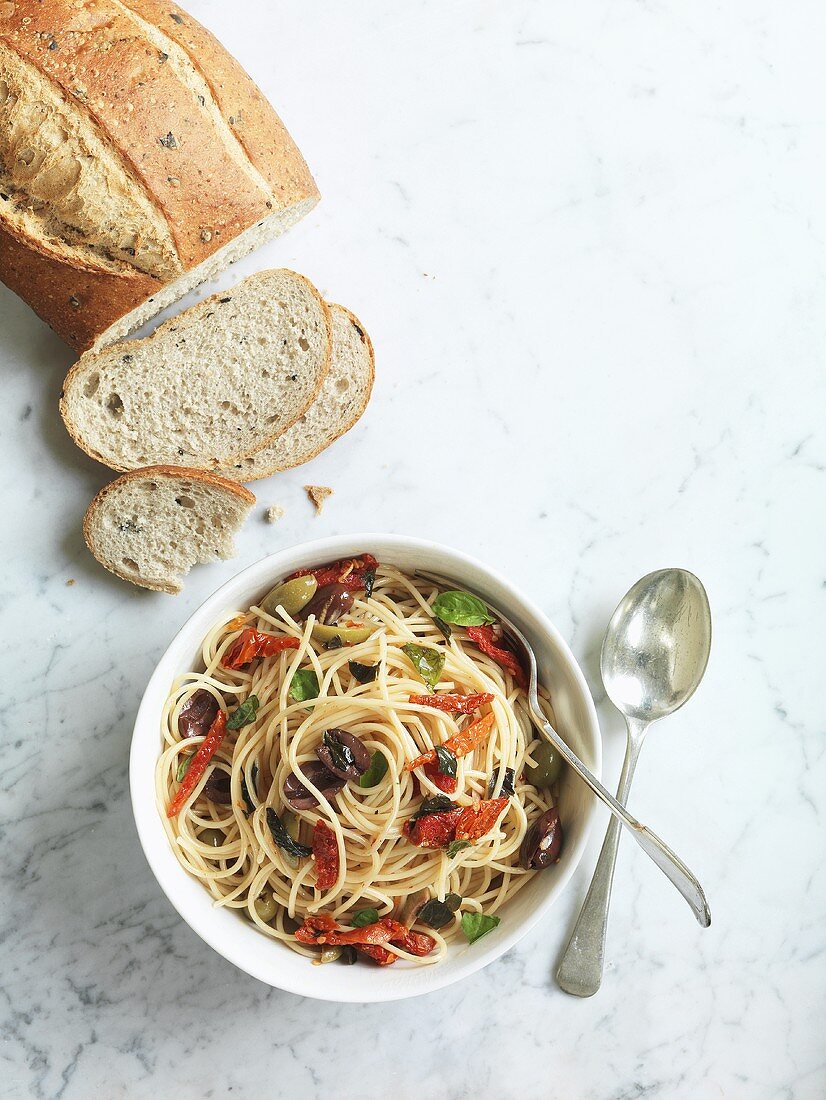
<point x="209" y="387"/>
<point x="340" y="403"/>
<point x="151" y="526"/>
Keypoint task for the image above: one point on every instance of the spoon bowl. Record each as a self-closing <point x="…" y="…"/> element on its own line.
<point x="657" y="645"/>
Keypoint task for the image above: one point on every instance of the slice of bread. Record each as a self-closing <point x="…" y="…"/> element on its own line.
<point x="151" y="526"/>
<point x="340" y="403"/>
<point x="211" y="386"/>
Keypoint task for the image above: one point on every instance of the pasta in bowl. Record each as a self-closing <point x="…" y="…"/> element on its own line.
<point x="347" y="768"/>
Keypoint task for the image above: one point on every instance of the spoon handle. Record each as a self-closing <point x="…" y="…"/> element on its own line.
<point x="670" y="864"/>
<point x="580" y="971"/>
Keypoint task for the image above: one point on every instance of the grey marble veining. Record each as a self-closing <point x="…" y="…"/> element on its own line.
<point x="549" y="217"/>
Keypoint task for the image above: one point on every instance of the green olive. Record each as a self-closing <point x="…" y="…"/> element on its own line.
<point x="265" y="907"/>
<point x="547" y="768"/>
<point x="349" y="635"/>
<point x="292" y="595"/>
<point x="213" y="837"/>
<point x="329" y="955"/>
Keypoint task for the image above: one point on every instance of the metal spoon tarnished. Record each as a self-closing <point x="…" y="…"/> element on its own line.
<point x="653" y="657"/>
<point x="669" y="863"/>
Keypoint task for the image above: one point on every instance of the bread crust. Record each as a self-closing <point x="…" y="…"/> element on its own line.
<point x="88" y="359"/>
<point x="188" y="472"/>
<point x="194" y="166"/>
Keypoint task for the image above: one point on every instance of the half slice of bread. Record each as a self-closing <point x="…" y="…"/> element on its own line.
<point x="341" y="401"/>
<point x="152" y="525"/>
<point x="211" y="386"/>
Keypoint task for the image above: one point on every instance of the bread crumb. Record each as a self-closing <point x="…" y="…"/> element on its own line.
<point x="70" y="582"/>
<point x="273" y="513"/>
<point x="318" y="494"/>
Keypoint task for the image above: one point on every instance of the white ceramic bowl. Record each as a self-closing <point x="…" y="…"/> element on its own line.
<point x="236" y="939"/>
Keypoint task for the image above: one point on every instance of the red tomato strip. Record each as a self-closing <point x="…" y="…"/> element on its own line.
<point x="206" y="750"/>
<point x="381" y="931"/>
<point x="446" y="783"/>
<point x="460" y="744"/>
<point x="252" y="644"/>
<point x="416" y="943"/>
<point x="314" y="926"/>
<point x="479" y="818"/>
<point x="325" y="855"/>
<point x="483" y="637"/>
<point x="379" y="955"/>
<point x="433" y="830"/>
<point x="453" y="704"/>
<point x="351" y="570"/>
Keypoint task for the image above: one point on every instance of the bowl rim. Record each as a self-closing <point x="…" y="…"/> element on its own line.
<point x="144" y="809"/>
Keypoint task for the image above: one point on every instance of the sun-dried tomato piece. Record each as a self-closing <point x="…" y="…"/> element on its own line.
<point x="381" y="931"/>
<point x="206" y="750"/>
<point x="433" y="830"/>
<point x="352" y="570"/>
<point x="460" y="744"/>
<point x="315" y="926"/>
<point x="254" y="643"/>
<point x="453" y="704"/>
<point x="378" y="954"/>
<point x="416" y="943"/>
<point x="485" y="639"/>
<point x="479" y="818"/>
<point x="325" y="856"/>
<point x="446" y="783"/>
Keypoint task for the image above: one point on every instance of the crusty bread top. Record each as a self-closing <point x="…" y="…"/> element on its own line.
<point x="150" y="526"/>
<point x="212" y="385"/>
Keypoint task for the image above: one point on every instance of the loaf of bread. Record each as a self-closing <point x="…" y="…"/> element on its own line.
<point x="137" y="159"/>
<point x="209" y="387"/>
<point x="151" y="526"/>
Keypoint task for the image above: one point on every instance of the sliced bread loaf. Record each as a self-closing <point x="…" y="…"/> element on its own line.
<point x="211" y="386"/>
<point x="151" y="526"/>
<point x="340" y="403"/>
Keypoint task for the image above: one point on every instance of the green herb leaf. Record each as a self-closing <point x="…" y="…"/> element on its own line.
<point x="183" y="766"/>
<point x="376" y="772"/>
<point x="341" y="755"/>
<point x="507" y="784"/>
<point x="436" y="914"/>
<point x="447" y="761"/>
<point x="365" y="674"/>
<point x="427" y="662"/>
<point x="437" y="804"/>
<point x="369" y="582"/>
<point x="243" y="715"/>
<point x="476" y="925"/>
<point x="304" y="685"/>
<point x="364" y="917"/>
<point x="461" y="609"/>
<point x="442" y="625"/>
<point x="456" y="846"/>
<point x="245" y="793"/>
<point x="282" y="838"/>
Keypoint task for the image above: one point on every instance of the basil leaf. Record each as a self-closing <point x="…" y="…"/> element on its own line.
<point x="438" y="804"/>
<point x="183" y="766"/>
<point x="304" y="685"/>
<point x="245" y="794"/>
<point x="447" y="761"/>
<point x="376" y="772"/>
<point x="476" y="925"/>
<point x="243" y="715"/>
<point x="364" y="917"/>
<point x="456" y="846"/>
<point x="369" y="582"/>
<point x="365" y="674"/>
<point x="282" y="838"/>
<point x="435" y="914"/>
<point x="442" y="625"/>
<point x="461" y="609"/>
<point x="342" y="756"/>
<point x="427" y="662"/>
<point x="507" y="784"/>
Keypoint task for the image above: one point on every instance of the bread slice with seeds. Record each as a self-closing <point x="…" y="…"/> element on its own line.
<point x="340" y="403"/>
<point x="151" y="526"/>
<point x="211" y="386"/>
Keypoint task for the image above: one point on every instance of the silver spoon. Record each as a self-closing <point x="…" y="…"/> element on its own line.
<point x="670" y="864"/>
<point x="654" y="655"/>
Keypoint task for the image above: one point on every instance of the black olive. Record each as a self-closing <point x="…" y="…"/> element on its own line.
<point x="348" y="955"/>
<point x="217" y="788"/>
<point x="302" y="799"/>
<point x="197" y="714"/>
<point x="344" y="754"/>
<point x="329" y="603"/>
<point x="543" y="842"/>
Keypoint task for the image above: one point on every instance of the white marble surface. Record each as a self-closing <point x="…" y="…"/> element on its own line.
<point x="588" y="241"/>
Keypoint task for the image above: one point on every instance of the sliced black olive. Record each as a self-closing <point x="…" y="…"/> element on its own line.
<point x="365" y="674"/>
<point x="329" y="603"/>
<point x="543" y="842"/>
<point x="344" y="754"/>
<point x="197" y="714"/>
<point x="217" y="788"/>
<point x="348" y="955"/>
<point x="299" y="797"/>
